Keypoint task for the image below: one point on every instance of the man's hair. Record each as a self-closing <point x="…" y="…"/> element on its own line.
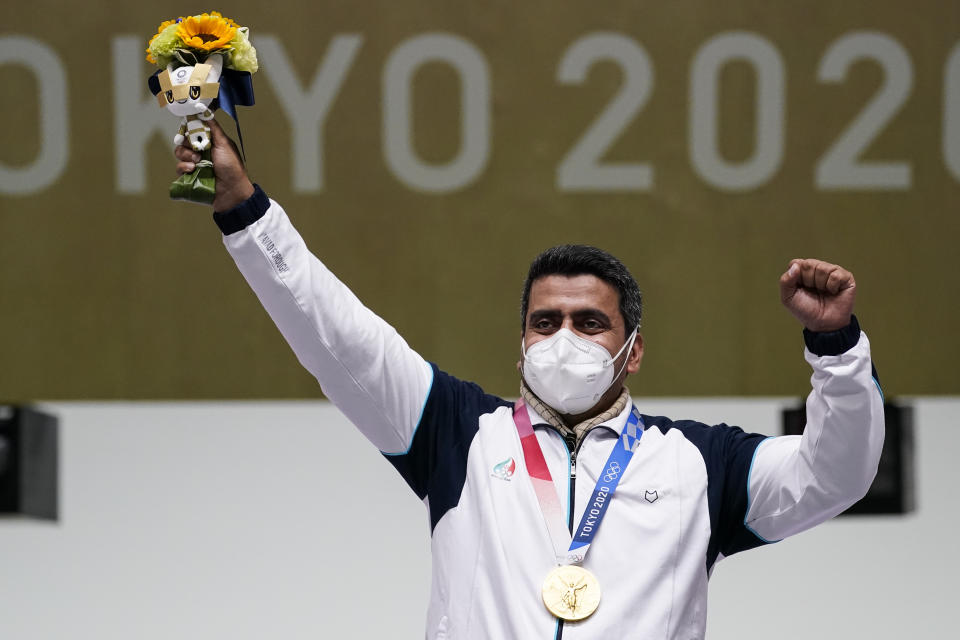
<point x="578" y="259"/>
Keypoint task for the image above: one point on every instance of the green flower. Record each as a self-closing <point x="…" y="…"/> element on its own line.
<point x="244" y="56"/>
<point x="163" y="45"/>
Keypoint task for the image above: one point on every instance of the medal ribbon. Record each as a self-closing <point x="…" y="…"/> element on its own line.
<point x="546" y="491"/>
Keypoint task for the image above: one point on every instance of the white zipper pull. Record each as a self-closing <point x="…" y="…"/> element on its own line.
<point x="573" y="466"/>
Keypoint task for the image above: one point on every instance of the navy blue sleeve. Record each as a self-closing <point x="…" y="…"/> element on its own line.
<point x="244" y="214"/>
<point x="833" y="343"/>
<point x="727" y="453"/>
<point x="435" y="465"/>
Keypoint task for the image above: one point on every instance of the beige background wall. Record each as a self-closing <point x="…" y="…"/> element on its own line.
<point x="716" y="174"/>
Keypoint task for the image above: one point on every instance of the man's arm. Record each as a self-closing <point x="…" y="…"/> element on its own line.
<point x="362" y="364"/>
<point x="797" y="482"/>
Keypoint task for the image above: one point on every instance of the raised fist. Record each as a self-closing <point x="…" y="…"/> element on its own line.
<point x="819" y="294"/>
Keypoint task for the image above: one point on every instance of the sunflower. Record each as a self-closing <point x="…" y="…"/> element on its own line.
<point x="217" y="14"/>
<point x="206" y="32"/>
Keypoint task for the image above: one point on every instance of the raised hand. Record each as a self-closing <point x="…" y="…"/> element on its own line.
<point x="233" y="185"/>
<point x="818" y="294"/>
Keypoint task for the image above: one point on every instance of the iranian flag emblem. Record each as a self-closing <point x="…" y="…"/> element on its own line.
<point x="504" y="470"/>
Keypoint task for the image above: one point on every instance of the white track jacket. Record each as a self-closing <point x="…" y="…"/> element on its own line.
<point x="691" y="495"/>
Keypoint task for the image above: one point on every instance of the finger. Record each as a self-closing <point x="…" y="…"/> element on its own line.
<point x="790" y="277"/>
<point x="824" y="276"/>
<point x="216" y="130"/>
<point x="221" y="139"/>
<point x="830" y="277"/>
<point x="840" y="279"/>
<point x="222" y="143"/>
<point x="821" y="273"/>
<point x="790" y="281"/>
<point x="186" y="154"/>
<point x="185" y="167"/>
<point x="808" y="272"/>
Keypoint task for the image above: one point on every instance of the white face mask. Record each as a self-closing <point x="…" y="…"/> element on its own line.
<point x="570" y="373"/>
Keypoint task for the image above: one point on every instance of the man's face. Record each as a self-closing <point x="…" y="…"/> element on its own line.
<point x="587" y="306"/>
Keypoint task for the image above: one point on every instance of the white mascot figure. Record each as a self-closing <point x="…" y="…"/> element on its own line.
<point x="187" y="92"/>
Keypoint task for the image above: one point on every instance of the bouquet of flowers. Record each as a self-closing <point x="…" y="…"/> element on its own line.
<point x="190" y="40"/>
<point x="205" y="62"/>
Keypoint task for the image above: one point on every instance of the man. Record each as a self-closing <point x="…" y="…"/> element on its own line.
<point x="568" y="513"/>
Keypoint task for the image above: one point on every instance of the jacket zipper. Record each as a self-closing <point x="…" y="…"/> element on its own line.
<point x="573" y="448"/>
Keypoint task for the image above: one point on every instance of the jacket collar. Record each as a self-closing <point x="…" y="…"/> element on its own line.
<point x="613" y="418"/>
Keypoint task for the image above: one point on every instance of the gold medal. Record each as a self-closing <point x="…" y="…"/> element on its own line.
<point x="571" y="592"/>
